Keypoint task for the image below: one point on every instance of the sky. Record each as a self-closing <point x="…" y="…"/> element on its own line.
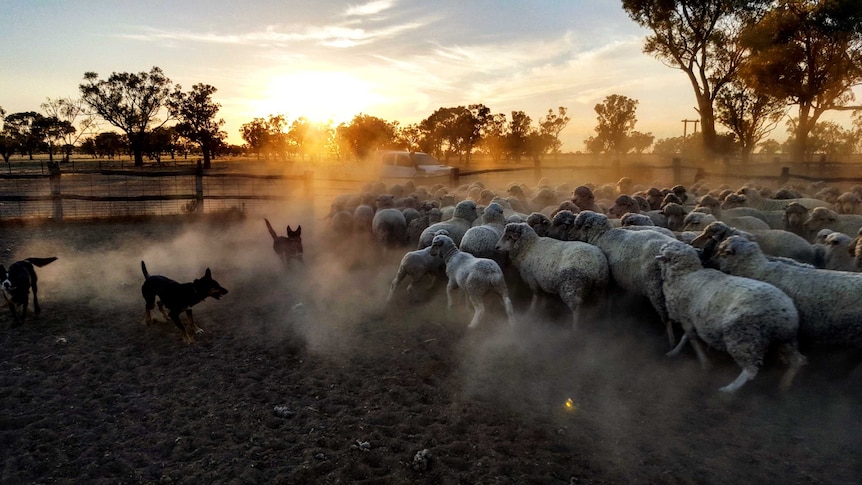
<point x="399" y="60"/>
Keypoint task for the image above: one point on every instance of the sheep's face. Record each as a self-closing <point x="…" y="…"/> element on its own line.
<point x="677" y="255"/>
<point x="732" y="201"/>
<point x="624" y="204"/>
<point x="466" y="209"/>
<point x="736" y="247"/>
<point x="509" y="240"/>
<point x="440" y="244"/>
<point x="715" y="231"/>
<point x="696" y="221"/>
<point x="820" y="218"/>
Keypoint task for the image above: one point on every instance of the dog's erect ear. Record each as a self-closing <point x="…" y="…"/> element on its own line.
<point x="299" y="230"/>
<point x="208" y="274"/>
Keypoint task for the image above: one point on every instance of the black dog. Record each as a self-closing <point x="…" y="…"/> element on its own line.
<point x="178" y="297"/>
<point x="289" y="247"/>
<point x="16" y="284"/>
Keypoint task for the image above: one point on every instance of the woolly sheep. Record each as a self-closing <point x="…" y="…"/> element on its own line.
<point x="837" y="255"/>
<point x="539" y="222"/>
<point x="569" y="269"/>
<point x="773" y="242"/>
<point x="388" y="224"/>
<point x="754" y="199"/>
<point x="823" y="218"/>
<point x="631" y="258"/>
<point x="827" y="301"/>
<point x="480" y="241"/>
<point x="474" y="276"/>
<point x="462" y="219"/>
<point x="697" y="221"/>
<point x="561" y="225"/>
<point x="740" y="316"/>
<point x="416" y="265"/>
<point x="848" y="203"/>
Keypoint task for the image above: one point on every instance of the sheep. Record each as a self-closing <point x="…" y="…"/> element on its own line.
<point x="823" y="218"/>
<point x="623" y="204"/>
<point x="740" y="316"/>
<point x="389" y="225"/>
<point x="674" y="216"/>
<point x="794" y="220"/>
<point x="697" y="221"/>
<point x="631" y="258"/>
<point x="462" y="219"/>
<point x="773" y="242"/>
<point x="539" y="222"/>
<point x="416" y="265"/>
<point x="561" y="225"/>
<point x="631" y="219"/>
<point x="481" y="240"/>
<point x="584" y="198"/>
<point x="754" y="199"/>
<point x="855" y="249"/>
<point x="569" y="269"/>
<point x="848" y="203"/>
<point x="827" y="301"/>
<point x="475" y="276"/>
<point x="837" y="255"/>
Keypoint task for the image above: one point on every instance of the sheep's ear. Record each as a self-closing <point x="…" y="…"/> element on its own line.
<point x="661" y="258"/>
<point x="851" y="249"/>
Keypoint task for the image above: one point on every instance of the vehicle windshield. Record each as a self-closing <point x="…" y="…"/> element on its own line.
<point x="424" y="159"/>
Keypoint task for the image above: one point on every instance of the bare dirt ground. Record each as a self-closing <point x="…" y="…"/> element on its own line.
<point x="306" y="376"/>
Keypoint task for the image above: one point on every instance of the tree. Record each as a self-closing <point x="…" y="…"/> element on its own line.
<point x="7" y="143"/>
<point x="255" y="133"/>
<point x="72" y="112"/>
<point x="54" y="131"/>
<point x="494" y="136"/>
<point x="25" y="131"/>
<point x="455" y="130"/>
<point x="808" y="53"/>
<point x="365" y="134"/>
<point x="748" y="114"/>
<point x="129" y="101"/>
<point x="552" y="125"/>
<point x="616" y="121"/>
<point x="518" y="134"/>
<point x="638" y="142"/>
<point x="700" y="38"/>
<point x="769" y="147"/>
<point x="196" y="112"/>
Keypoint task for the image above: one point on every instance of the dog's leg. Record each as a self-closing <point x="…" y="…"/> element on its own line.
<point x="14" y="312"/>
<point x="187" y="337"/>
<point x="194" y="326"/>
<point x="164" y="313"/>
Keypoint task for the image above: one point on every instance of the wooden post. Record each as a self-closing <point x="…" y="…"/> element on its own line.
<point x="199" y="188"/>
<point x="56" y="198"/>
<point x="454" y="177"/>
<point x="785" y="175"/>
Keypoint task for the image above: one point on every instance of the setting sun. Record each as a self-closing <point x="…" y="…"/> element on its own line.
<point x="319" y="96"/>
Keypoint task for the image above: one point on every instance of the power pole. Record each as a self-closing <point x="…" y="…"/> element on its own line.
<point x="685" y="127"/>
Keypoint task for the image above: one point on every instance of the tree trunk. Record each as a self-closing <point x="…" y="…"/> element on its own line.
<point x="707" y="126"/>
<point x="206" y="151"/>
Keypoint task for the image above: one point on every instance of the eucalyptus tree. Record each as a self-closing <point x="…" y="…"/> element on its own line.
<point x="749" y="114"/>
<point x="131" y="102"/>
<point x="196" y="112"/>
<point x="73" y="112"/>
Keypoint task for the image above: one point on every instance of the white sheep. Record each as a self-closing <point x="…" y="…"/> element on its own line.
<point x="389" y="225"/>
<point x="416" y="265"/>
<point x="462" y="219"/>
<point x="754" y="199"/>
<point x="571" y="270"/>
<point x="837" y="255"/>
<point x="773" y="242"/>
<point x="822" y="218"/>
<point x="828" y="301"/>
<point x="740" y="316"/>
<point x="481" y="240"/>
<point x="697" y="221"/>
<point x="474" y="276"/>
<point x="631" y="258"/>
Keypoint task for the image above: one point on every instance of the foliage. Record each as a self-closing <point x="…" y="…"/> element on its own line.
<point x="750" y="115"/>
<point x="196" y="113"/>
<point x="130" y="102"/>
<point x="72" y="112"/>
<point x="808" y="53"/>
<point x="616" y="121"/>
<point x="698" y="37"/>
<point x="552" y="125"/>
<point x="827" y="140"/>
<point x="365" y="134"/>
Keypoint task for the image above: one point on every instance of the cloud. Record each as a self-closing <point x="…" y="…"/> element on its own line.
<point x="370" y="8"/>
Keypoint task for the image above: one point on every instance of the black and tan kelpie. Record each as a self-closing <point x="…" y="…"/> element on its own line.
<point x="289" y="247"/>
<point x="16" y="285"/>
<point x="178" y="297"/>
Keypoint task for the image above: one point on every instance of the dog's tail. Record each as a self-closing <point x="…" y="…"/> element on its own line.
<point x="40" y="261"/>
<point x="270" y="229"/>
<point x="144" y="269"/>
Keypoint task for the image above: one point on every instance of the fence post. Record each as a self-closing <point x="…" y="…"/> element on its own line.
<point x="199" y="188"/>
<point x="677" y="170"/>
<point x="785" y="175"/>
<point x="54" y="181"/>
<point x="454" y="176"/>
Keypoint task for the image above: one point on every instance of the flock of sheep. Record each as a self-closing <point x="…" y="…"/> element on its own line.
<point x="739" y="271"/>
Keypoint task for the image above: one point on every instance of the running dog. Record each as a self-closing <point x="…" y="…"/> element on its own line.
<point x="289" y="247"/>
<point x="16" y="284"/>
<point x="178" y="297"/>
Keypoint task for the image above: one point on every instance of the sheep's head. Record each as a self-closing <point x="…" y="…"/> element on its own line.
<point x="561" y="225"/>
<point x="737" y="249"/>
<point x="441" y="245"/>
<point x="623" y="204"/>
<point x="820" y="238"/>
<point x="675" y="214"/>
<point x="697" y="221"/>
<point x="820" y="218"/>
<point x="466" y="209"/>
<point x="568" y="205"/>
<point x="678" y="256"/>
<point x="385" y="201"/>
<point x="539" y="222"/>
<point x="513" y="234"/>
<point x="732" y="201"/>
<point x="583" y="196"/>
<point x="847" y="203"/>
<point x="589" y="224"/>
<point x="493" y="213"/>
<point x="837" y="240"/>
<point x="795" y="215"/>
<point x="629" y="219"/>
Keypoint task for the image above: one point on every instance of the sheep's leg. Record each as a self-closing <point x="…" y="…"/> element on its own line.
<point x="698" y="349"/>
<point x="795" y="360"/>
<point x="676" y="350"/>
<point x="533" y="302"/>
<point x="479" y="311"/>
<point x="744" y="376"/>
<point x="398" y="277"/>
<point x="510" y="311"/>
<point x="450" y="288"/>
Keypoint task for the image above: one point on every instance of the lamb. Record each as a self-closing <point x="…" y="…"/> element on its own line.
<point x="827" y="301"/>
<point x="822" y="218"/>
<point x="462" y="219"/>
<point x="740" y="316"/>
<point x="475" y="276"/>
<point x="569" y="269"/>
<point x="480" y="241"/>
<point x="416" y="265"/>
<point x="773" y="242"/>
<point x="631" y="258"/>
